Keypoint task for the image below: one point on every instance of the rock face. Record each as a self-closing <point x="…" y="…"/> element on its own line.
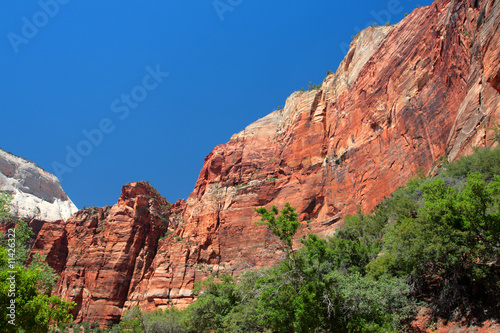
<point x="36" y="192"/>
<point x="102" y="254"/>
<point x="404" y="97"/>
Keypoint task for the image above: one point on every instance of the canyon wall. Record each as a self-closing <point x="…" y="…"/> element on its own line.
<point x="405" y="98"/>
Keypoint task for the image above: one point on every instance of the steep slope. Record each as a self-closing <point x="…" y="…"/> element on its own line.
<point x="403" y="98"/>
<point x="101" y="254"/>
<point x="36" y="192"/>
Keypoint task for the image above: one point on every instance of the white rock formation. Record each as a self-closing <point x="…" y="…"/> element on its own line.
<point x="36" y="192"/>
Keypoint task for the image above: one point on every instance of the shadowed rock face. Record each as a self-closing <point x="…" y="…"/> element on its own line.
<point x="36" y="192"/>
<point x="404" y="97"/>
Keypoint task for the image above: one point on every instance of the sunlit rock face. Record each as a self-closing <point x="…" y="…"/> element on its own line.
<point x="404" y="97"/>
<point x="103" y="254"/>
<point x="36" y="192"/>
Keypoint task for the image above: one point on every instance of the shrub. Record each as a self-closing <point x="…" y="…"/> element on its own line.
<point x="314" y="86"/>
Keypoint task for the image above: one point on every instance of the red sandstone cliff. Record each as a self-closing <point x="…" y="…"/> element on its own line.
<point x="404" y="97"/>
<point x="102" y="254"/>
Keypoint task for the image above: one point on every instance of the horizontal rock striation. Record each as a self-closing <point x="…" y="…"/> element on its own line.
<point x="405" y="97"/>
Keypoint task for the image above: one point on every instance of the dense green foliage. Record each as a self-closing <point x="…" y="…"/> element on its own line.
<point x="322" y="287"/>
<point x="448" y="246"/>
<point x="25" y="303"/>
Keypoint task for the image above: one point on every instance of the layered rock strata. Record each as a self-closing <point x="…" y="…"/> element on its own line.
<point x="36" y="192"/>
<point x="102" y="254"/>
<point x="404" y="98"/>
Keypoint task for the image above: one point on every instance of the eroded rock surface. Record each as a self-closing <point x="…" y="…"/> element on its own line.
<point x="36" y="192"/>
<point x="404" y="97"/>
<point x="102" y="254"/>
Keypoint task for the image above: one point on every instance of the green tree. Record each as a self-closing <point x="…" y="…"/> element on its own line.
<point x="282" y="287"/>
<point x="283" y="225"/>
<point x="245" y="315"/>
<point x="34" y="310"/>
<point x="323" y="287"/>
<point x="165" y="321"/>
<point x="357" y="243"/>
<point x="485" y="161"/>
<point x="133" y="320"/>
<point x="452" y="243"/>
<point x="216" y="299"/>
<point x="371" y="305"/>
<point x="26" y="288"/>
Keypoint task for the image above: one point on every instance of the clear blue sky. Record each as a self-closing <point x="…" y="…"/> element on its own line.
<point x="67" y="67"/>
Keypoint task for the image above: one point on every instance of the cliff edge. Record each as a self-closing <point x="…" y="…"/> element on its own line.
<point x="36" y="192"/>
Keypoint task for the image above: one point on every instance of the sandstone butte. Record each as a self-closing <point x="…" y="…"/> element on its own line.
<point x="404" y="98"/>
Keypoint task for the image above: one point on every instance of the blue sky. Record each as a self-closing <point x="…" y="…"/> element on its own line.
<point x="103" y="93"/>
